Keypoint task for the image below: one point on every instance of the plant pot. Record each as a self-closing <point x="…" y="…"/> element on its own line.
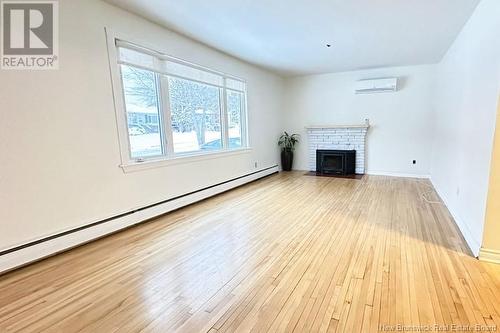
<point x="286" y="160"/>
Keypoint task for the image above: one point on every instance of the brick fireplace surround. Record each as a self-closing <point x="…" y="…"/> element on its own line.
<point x="338" y="137"/>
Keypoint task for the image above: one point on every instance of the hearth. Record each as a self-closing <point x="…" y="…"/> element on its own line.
<point x="336" y="162"/>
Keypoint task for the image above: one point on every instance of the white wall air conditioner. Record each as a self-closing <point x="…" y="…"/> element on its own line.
<point x="372" y="86"/>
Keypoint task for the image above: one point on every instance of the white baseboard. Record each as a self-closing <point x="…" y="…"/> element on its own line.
<point x="473" y="243"/>
<point x="397" y="174"/>
<point x="489" y="255"/>
<point x="37" y="251"/>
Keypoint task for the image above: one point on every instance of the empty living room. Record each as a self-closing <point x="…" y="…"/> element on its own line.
<point x="250" y="166"/>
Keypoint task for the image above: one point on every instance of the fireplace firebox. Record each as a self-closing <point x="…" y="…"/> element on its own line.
<point x="336" y="162"/>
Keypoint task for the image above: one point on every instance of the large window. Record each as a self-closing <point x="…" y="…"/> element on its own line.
<point x="173" y="108"/>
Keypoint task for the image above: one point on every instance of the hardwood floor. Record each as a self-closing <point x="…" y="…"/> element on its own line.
<point x="286" y="253"/>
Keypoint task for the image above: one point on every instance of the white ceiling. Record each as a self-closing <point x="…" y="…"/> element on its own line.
<point x="289" y="36"/>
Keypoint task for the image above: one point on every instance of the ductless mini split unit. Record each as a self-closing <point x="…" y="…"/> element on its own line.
<point x="372" y="86"/>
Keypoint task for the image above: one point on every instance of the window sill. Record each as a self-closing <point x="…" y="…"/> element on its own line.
<point x="187" y="158"/>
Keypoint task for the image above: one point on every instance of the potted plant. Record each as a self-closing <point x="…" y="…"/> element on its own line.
<point x="287" y="143"/>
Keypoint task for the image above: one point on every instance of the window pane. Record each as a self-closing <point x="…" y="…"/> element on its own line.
<point x="143" y="118"/>
<point x="196" y="121"/>
<point x="235" y="102"/>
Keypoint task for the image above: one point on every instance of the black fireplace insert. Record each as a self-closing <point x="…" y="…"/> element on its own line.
<point x="336" y="162"/>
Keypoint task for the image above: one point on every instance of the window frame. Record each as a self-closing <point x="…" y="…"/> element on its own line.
<point x="166" y="133"/>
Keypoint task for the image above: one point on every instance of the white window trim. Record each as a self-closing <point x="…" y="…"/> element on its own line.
<point x="131" y="165"/>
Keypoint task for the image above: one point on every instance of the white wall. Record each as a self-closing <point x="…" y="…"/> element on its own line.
<point x="400" y="122"/>
<point x="58" y="137"/>
<point x="468" y="80"/>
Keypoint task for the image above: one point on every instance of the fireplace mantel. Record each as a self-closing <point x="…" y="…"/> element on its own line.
<point x="336" y="126"/>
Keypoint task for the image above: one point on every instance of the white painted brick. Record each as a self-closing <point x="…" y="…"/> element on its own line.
<point x="340" y="139"/>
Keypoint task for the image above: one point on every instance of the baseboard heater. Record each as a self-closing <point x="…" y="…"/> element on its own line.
<point x="27" y="253"/>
